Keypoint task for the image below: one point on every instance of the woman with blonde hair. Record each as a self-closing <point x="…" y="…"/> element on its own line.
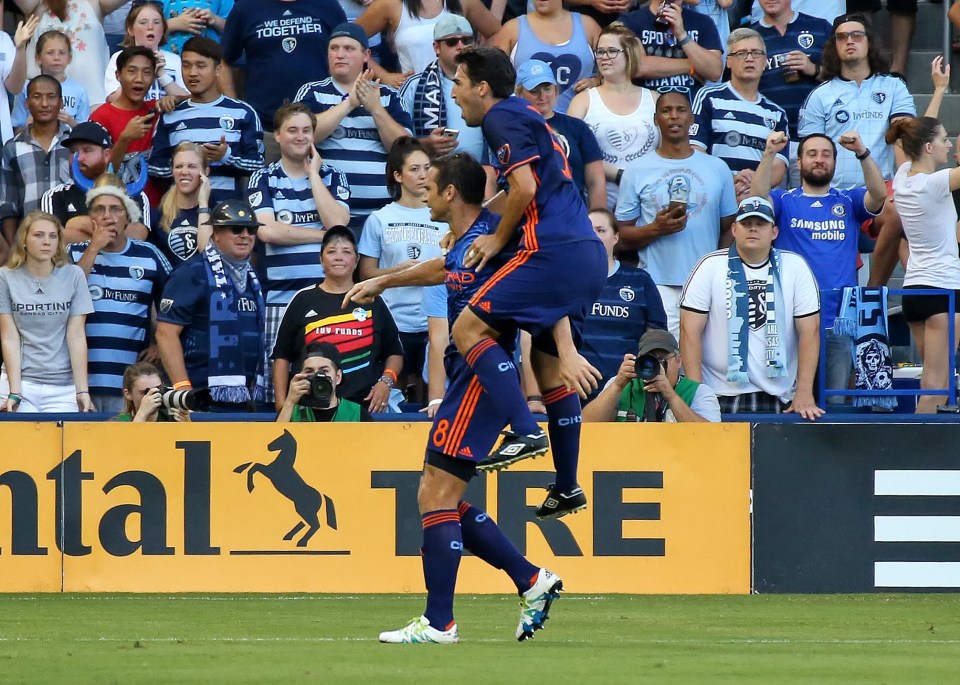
<point x="180" y="225"/>
<point x="619" y="113"/>
<point x="44" y="302"/>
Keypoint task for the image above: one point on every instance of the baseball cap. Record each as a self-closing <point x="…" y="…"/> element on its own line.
<point x="89" y="132"/>
<point x="338" y="231"/>
<point x="657" y="339"/>
<point x="348" y="30"/>
<point x="322" y="349"/>
<point x="451" y="25"/>
<point x="533" y="73"/>
<point x="755" y="206"/>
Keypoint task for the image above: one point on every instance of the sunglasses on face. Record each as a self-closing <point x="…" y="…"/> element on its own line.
<point x="683" y="90"/>
<point x="237" y="230"/>
<point x="855" y="36"/>
<point x="456" y="40"/>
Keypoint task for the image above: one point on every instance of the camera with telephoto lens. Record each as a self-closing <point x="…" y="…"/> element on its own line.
<point x="191" y="400"/>
<point x="320" y="392"/>
<point x="647" y="367"/>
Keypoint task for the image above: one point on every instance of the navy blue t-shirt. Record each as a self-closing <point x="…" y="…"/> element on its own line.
<point x="627" y="307"/>
<point x="186" y="302"/>
<point x="285" y="44"/>
<point x="806" y="34"/>
<point x="579" y="145"/>
<point x="179" y="243"/>
<point x="657" y="43"/>
<point x="518" y="135"/>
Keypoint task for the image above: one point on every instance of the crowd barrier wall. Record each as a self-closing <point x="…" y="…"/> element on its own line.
<point x="856" y="508"/>
<point x="332" y="508"/>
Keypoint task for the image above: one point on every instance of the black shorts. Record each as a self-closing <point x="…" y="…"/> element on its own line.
<point x="414" y="353"/>
<point x="896" y="6"/>
<point x="463" y="469"/>
<point x="921" y="307"/>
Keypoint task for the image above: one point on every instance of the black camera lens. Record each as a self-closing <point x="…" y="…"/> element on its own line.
<point x="647" y="367"/>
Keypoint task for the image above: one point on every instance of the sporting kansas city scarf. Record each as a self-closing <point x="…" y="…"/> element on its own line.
<point x="429" y="105"/>
<point x="863" y="317"/>
<point x="225" y="371"/>
<point x="738" y="311"/>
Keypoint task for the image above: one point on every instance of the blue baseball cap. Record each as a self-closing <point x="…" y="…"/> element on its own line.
<point x="348" y="30"/>
<point x="756" y="206"/>
<point x="533" y="73"/>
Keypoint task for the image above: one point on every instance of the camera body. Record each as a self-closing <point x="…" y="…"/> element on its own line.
<point x="647" y="367"/>
<point x="320" y="393"/>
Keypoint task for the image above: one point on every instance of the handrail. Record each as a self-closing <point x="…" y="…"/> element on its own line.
<point x="947" y="38"/>
<point x="950" y="391"/>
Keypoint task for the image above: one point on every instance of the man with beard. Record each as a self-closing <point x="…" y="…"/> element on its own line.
<point x="822" y="224"/>
<point x="91" y="146"/>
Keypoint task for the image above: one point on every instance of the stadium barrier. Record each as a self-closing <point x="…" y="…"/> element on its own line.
<point x="855" y="508"/>
<point x="332" y="508"/>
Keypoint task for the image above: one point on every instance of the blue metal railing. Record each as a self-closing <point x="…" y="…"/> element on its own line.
<point x="950" y="391"/>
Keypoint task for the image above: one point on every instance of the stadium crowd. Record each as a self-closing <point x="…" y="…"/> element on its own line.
<point x="202" y="199"/>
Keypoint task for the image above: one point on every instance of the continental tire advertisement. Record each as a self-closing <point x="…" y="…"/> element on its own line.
<point x="333" y="508"/>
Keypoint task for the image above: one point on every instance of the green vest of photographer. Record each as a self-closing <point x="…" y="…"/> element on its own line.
<point x="633" y="399"/>
<point x="345" y="411"/>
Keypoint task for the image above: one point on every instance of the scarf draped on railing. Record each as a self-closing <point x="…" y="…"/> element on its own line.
<point x="863" y="317"/>
<point x="738" y="316"/>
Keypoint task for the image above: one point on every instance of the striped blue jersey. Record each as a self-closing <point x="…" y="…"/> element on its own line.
<point x="355" y="146"/>
<point x="839" y="105"/>
<point x="275" y="195"/>
<point x="807" y="34"/>
<point x="234" y="120"/>
<point x="123" y="285"/>
<point x="733" y="128"/>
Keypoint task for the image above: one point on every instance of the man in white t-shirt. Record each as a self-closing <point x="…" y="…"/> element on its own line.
<point x="750" y="321"/>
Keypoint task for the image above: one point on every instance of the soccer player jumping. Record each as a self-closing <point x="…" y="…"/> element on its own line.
<point x="464" y="429"/>
<point x="558" y="270"/>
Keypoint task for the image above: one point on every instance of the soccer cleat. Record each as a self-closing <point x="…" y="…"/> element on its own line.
<point x="420" y="631"/>
<point x="560" y="503"/>
<point x="535" y="603"/>
<point x="513" y="448"/>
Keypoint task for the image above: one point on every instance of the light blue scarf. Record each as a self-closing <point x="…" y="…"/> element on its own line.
<point x="738" y="314"/>
<point x="863" y="317"/>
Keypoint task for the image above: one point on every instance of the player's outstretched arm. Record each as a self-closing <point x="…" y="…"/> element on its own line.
<point x="430" y="272"/>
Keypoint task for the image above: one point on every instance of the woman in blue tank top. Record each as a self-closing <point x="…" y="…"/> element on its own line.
<point x="564" y="40"/>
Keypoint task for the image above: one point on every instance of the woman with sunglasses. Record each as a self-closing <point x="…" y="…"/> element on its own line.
<point x="619" y="113"/>
<point x="210" y="321"/>
<point x="44" y="303"/>
<point x="409" y="23"/>
<point x="82" y="21"/>
<point x="554" y="35"/>
<point x="180" y="225"/>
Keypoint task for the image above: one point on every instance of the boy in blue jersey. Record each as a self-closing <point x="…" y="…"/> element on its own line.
<point x="229" y="130"/>
<point x="822" y="225"/>
<point x="558" y="271"/>
<point x="464" y="429"/>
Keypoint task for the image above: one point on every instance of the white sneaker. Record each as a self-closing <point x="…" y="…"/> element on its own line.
<point x="535" y="603"/>
<point x="419" y="630"/>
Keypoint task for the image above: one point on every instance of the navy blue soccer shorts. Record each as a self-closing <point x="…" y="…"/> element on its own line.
<point x="536" y="289"/>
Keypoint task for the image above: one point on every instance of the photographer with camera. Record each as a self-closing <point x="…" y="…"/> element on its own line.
<point x="312" y="394"/>
<point x="649" y="388"/>
<point x="143" y="396"/>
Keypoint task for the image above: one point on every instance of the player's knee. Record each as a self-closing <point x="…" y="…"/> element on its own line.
<point x="466" y="334"/>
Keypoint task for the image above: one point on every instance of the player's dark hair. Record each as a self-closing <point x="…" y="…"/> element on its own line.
<point x="913" y="134"/>
<point x="205" y="47"/>
<point x="291" y="109"/>
<point x="491" y="65"/>
<point x="402" y="148"/>
<point x="53" y="34"/>
<point x="127" y="54"/>
<point x="464" y="173"/>
<point x="830" y="62"/>
<point x="803" y="142"/>
<point x="44" y="78"/>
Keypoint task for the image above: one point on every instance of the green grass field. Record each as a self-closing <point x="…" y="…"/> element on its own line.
<point x="605" y="639"/>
